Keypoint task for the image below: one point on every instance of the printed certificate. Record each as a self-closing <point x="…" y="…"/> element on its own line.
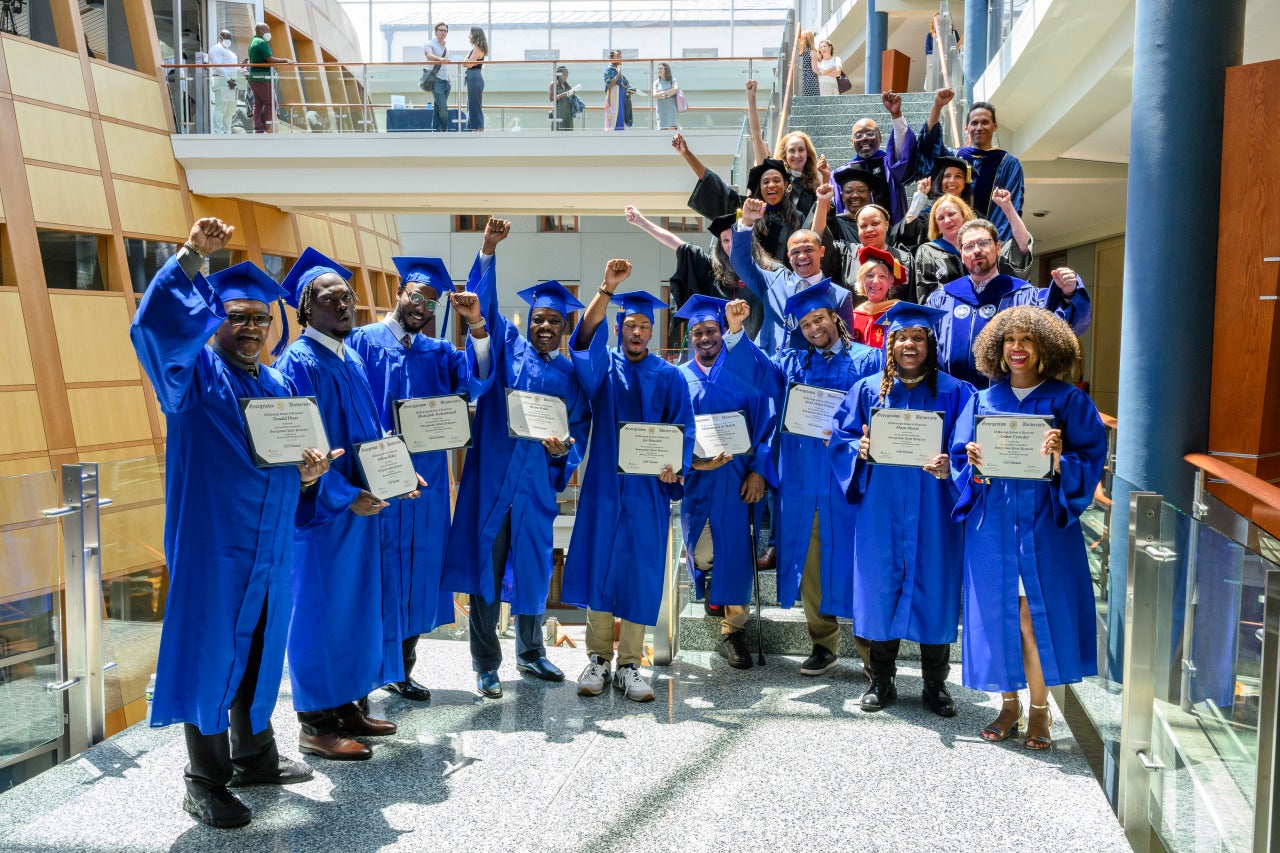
<point x="721" y="432"/>
<point x="1011" y="446"/>
<point x="280" y="428"/>
<point x="648" y="448"/>
<point x="908" y="437"/>
<point x="536" y="416"/>
<point x="387" y="467"/>
<point x="810" y="410"/>
<point x="433" y="423"/>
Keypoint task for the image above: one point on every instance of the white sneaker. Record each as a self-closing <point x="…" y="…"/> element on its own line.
<point x="594" y="677"/>
<point x="634" y="687"/>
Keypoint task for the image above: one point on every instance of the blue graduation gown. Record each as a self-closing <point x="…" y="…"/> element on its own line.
<point x="617" y="556"/>
<point x="716" y="496"/>
<point x="807" y="485"/>
<point x="968" y="313"/>
<point x="1029" y="529"/>
<point x="415" y="533"/>
<point x="907" y="552"/>
<point x="228" y="526"/>
<point x="338" y="649"/>
<point x="509" y="476"/>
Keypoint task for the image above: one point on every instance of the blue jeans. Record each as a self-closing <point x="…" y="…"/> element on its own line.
<point x="486" y="651"/>
<point x="440" y="93"/>
<point x="475" y="92"/>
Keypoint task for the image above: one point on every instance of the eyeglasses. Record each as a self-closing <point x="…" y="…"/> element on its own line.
<point x="238" y="320"/>
<point x="347" y="297"/>
<point x="418" y="299"/>
<point x="974" y="245"/>
<point x="442" y="29"/>
<point x="866" y="134"/>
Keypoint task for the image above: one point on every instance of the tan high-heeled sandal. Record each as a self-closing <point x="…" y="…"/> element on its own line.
<point x="1039" y="742"/>
<point x="992" y="734"/>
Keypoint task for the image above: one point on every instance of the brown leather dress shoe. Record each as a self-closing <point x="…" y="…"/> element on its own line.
<point x="362" y="724"/>
<point x="333" y="746"/>
<point x="769" y="559"/>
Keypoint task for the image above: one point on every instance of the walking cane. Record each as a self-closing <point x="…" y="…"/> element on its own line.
<point x="755" y="574"/>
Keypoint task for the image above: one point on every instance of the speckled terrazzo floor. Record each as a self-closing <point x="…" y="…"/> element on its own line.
<point x="758" y="760"/>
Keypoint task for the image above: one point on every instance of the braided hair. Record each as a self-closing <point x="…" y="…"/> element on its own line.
<point x="305" y="300"/>
<point x="842" y="332"/>
<point x="891" y="368"/>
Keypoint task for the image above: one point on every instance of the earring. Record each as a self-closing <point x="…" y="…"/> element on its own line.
<point x="1041" y="368"/>
<point x="1004" y="366"/>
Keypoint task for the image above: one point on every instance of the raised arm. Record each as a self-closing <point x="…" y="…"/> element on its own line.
<point x="682" y="148"/>
<point x="662" y="235"/>
<point x="1003" y="199"/>
<point x="753" y="125"/>
<point x="941" y="98"/>
<point x="615" y="272"/>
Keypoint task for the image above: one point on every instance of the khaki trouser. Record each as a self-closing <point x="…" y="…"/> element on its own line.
<point x="600" y="638"/>
<point x="736" y="616"/>
<point x="824" y="630"/>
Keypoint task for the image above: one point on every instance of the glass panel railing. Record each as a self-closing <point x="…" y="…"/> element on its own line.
<point x="31" y="717"/>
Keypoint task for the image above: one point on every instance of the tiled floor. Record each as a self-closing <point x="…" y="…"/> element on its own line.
<point x="763" y="759"/>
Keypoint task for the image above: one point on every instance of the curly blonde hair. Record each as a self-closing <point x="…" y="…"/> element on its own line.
<point x="1056" y="345"/>
<point x="966" y="212"/>
<point x="809" y="177"/>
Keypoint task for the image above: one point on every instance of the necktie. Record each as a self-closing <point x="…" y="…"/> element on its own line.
<point x="828" y="354"/>
<point x="407" y="340"/>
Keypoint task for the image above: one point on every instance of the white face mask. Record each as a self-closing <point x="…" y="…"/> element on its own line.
<point x="226" y="43"/>
<point x="266" y="36"/>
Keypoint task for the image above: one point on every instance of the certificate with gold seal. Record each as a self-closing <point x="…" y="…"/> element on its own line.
<point x="387" y="467"/>
<point x="1011" y="446"/>
<point x="910" y="437"/>
<point x="810" y="410"/>
<point x="721" y="432"/>
<point x="280" y="428"/>
<point x="429" y="424"/>
<point x="645" y="448"/>
<point x="536" y="416"/>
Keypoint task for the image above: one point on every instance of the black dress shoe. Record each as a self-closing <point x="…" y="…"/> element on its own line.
<point x="936" y="698"/>
<point x="287" y="773"/>
<point x="540" y="668"/>
<point x="733" y="648"/>
<point x="819" y="662"/>
<point x="880" y="695"/>
<point x="216" y="807"/>
<point x="409" y="689"/>
<point x="716" y="611"/>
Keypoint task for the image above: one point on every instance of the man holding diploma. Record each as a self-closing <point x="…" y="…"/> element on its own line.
<point x="502" y="541"/>
<point x="403" y="364"/>
<point x="907" y="552"/>
<point x="338" y="651"/>
<point x="617" y="558"/>
<point x="229" y="525"/>
<point x="720" y="491"/>
<point x="814" y="520"/>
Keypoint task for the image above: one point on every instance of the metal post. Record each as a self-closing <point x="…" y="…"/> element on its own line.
<point x="666" y="634"/>
<point x="1189" y="623"/>
<point x="1139" y="658"/>
<point x="1266" y="809"/>
<point x="975" y="45"/>
<point x="76" y="685"/>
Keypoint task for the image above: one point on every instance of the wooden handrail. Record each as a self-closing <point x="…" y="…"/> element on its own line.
<point x="1259" y="490"/>
<point x="786" y="94"/>
<point x="539" y="62"/>
<point x="1108" y="421"/>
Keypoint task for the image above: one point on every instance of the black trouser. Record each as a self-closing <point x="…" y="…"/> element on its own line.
<point x="486" y="651"/>
<point x="326" y="722"/>
<point x="935" y="659"/>
<point x="211" y="759"/>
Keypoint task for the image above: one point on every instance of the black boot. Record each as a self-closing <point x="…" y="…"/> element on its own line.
<point x="880" y="695"/>
<point x="936" y="698"/>
<point x="733" y="648"/>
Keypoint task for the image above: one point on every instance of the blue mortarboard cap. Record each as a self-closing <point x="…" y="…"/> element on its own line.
<point x="904" y="315"/>
<point x="310" y="266"/>
<point x="811" y="298"/>
<point x="553" y="295"/>
<point x="637" y="302"/>
<point x="246" y="281"/>
<point x="429" y="271"/>
<point x="698" y="308"/>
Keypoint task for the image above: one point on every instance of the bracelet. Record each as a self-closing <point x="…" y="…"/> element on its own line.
<point x="192" y="249"/>
<point x="601" y="290"/>
<point x="479" y="324"/>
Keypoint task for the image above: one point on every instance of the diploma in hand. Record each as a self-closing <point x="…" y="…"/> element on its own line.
<point x="722" y="432"/>
<point x="904" y="437"/>
<point x="387" y="467"/>
<point x="433" y="423"/>
<point x="1011" y="446"/>
<point x="810" y="410"/>
<point x="536" y="416"/>
<point x="280" y="428"/>
<point x="649" y="448"/>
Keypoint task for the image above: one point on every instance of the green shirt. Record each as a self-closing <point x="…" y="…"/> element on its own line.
<point x="259" y="52"/>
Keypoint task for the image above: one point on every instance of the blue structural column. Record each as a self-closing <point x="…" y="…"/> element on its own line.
<point x="877" y="43"/>
<point x="1182" y="49"/>
<point x="975" y="44"/>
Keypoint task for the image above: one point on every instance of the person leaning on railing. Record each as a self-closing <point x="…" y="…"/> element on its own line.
<point x="1028" y="600"/>
<point x="260" y="60"/>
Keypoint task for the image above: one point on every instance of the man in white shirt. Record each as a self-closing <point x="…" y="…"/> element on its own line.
<point x="222" y="83"/>
<point x="438" y="57"/>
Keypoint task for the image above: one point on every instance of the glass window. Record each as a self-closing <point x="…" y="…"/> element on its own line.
<point x="682" y="224"/>
<point x="219" y="261"/>
<point x="144" y="259"/>
<point x="470" y="223"/>
<point x="71" y="260"/>
<point x="542" y="55"/>
<point x="30" y="20"/>
<point x="557" y="224"/>
<point x="276" y="266"/>
<point x="701" y="52"/>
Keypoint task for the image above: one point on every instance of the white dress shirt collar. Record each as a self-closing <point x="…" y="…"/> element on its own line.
<point x="333" y="345"/>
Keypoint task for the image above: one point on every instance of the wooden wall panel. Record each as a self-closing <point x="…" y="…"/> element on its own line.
<point x="275" y="231"/>
<point x="93" y="337"/>
<point x="45" y="74"/>
<point x="1" y="208"/>
<point x="364" y="220"/>
<point x="226" y="209"/>
<point x="23" y="426"/>
<point x="57" y="136"/>
<point x="147" y="209"/>
<point x="109" y="415"/>
<point x="369" y="249"/>
<point x="25" y="465"/>
<point x="344" y="243"/>
<point x="132" y="539"/>
<point x="139" y="153"/>
<point x="15" y="352"/>
<point x="72" y="199"/>
<point x="315" y="233"/>
<point x="130" y="97"/>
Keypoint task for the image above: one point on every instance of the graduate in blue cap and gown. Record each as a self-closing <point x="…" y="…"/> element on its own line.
<point x="616" y="563"/>
<point x="907" y="552"/>
<point x="813" y="519"/>
<point x="506" y="510"/>
<point x="1029" y="617"/>
<point x="404" y="364"/>
<point x="338" y="647"/>
<point x="229" y="524"/>
<point x="721" y="491"/>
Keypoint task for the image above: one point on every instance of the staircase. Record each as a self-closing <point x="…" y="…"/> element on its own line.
<point x="828" y="120"/>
